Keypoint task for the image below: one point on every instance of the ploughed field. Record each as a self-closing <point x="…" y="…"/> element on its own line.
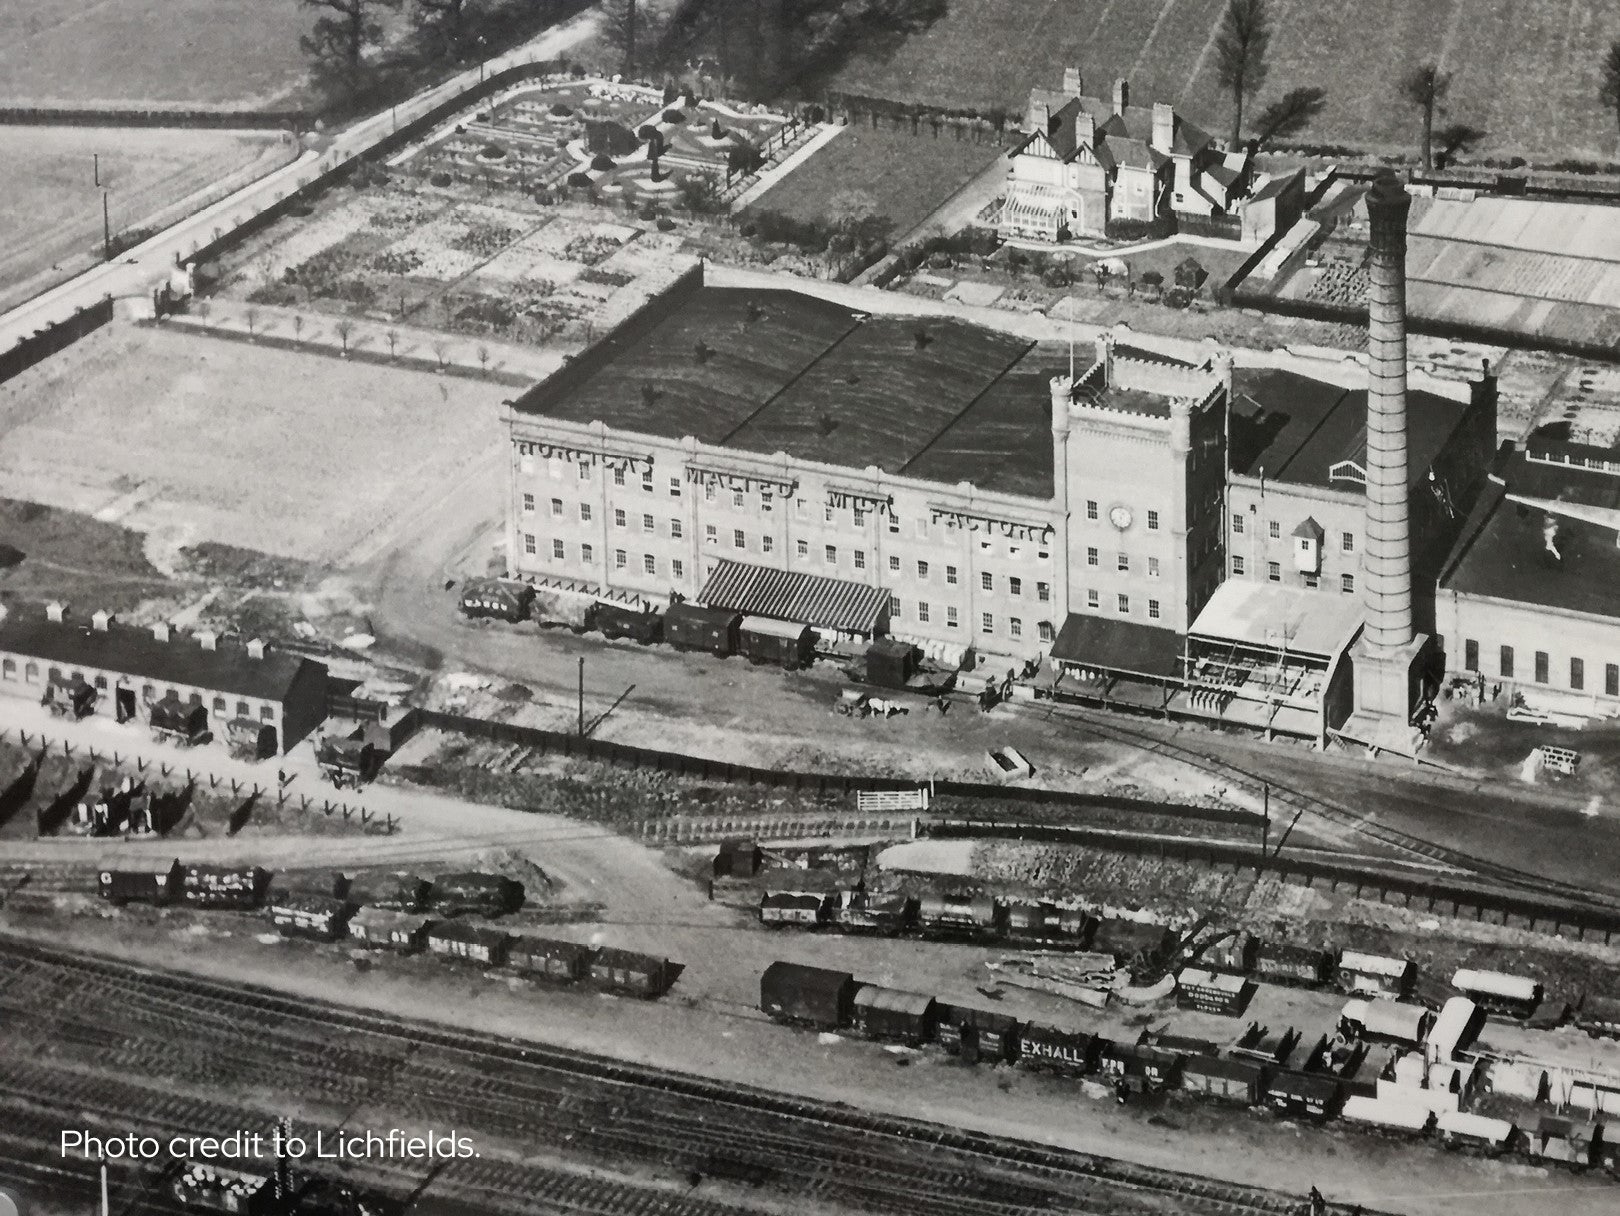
<point x="1527" y="74"/>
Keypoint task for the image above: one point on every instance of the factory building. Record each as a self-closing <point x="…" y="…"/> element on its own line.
<point x="133" y="669"/>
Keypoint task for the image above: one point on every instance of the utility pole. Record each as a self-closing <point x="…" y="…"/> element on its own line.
<point x="106" y="228"/>
<point x="95" y="163"/>
<point x="581" y="696"/>
<point x="1265" y="823"/>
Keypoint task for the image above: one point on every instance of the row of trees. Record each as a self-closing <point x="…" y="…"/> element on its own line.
<point x="346" y="30"/>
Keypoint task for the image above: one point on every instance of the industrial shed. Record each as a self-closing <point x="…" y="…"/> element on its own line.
<point x="136" y="668"/>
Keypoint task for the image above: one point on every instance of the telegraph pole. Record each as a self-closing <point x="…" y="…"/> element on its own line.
<point x="95" y="166"/>
<point x="581" y="696"/>
<point x="106" y="228"/>
<point x="1265" y="824"/>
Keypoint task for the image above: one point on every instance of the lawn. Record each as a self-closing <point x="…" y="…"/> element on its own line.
<point x="1526" y="74"/>
<point x="51" y="207"/>
<point x="884" y="173"/>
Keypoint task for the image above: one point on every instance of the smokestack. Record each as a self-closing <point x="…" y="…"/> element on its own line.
<point x="1387" y="558"/>
<point x="1122" y="95"/>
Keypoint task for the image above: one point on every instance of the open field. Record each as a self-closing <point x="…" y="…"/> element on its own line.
<point x="51" y="207"/>
<point x="883" y="173"/>
<point x="1526" y="74"/>
<point x="190" y="438"/>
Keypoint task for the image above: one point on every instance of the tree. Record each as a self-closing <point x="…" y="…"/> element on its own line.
<point x="298" y="327"/>
<point x="345" y="30"/>
<point x="344" y="329"/>
<point x="1453" y="139"/>
<point x="483" y="357"/>
<point x="251" y="316"/>
<point x="620" y="28"/>
<point x="1426" y="88"/>
<point x="1609" y="88"/>
<point x="393" y="341"/>
<point x="1289" y="114"/>
<point x="1241" y="44"/>
<point x="443" y="19"/>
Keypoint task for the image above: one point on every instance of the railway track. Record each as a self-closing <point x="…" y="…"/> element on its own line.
<point x="553" y="1102"/>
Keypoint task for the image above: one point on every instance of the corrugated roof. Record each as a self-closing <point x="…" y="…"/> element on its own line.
<point x="829" y="603"/>
<point x="134" y="652"/>
<point x="1129" y="646"/>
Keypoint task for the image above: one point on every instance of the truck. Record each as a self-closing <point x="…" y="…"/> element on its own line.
<point x="348" y="762"/>
<point x="501" y="598"/>
<point x="250" y="740"/>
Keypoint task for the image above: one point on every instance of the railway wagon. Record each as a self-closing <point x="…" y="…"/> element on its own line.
<point x="1383" y="1021"/>
<point x="475" y="943"/>
<point x="1599" y="1016"/>
<point x="1478" y="1135"/>
<point x="1139" y="1065"/>
<point x="1564" y="1141"/>
<point x="1233" y="952"/>
<point x="397" y="892"/>
<point x="158" y="885"/>
<point x="889" y="915"/>
<point x="632" y="974"/>
<point x="1132" y="941"/>
<point x="1213" y="1076"/>
<point x="808" y="996"/>
<point x="777" y="643"/>
<point x="310" y="916"/>
<point x="1070" y="1053"/>
<point x="978" y="1035"/>
<point x="960" y="916"/>
<point x="1513" y="996"/>
<point x="1282" y="963"/>
<point x="618" y="621"/>
<point x="500" y="598"/>
<point x="547" y="959"/>
<point x="1387" y="1115"/>
<point x="223" y="886"/>
<point x="1047" y="922"/>
<point x="779" y="909"/>
<point x="691" y="627"/>
<point x="1305" y="1095"/>
<point x="202" y="1184"/>
<point x="1374" y="974"/>
<point x="1212" y="992"/>
<point x="895" y="1014"/>
<point x="383" y="929"/>
<point x="1454" y="1029"/>
<point x="483" y="894"/>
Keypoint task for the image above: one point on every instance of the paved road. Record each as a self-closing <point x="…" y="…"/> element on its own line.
<point x="141" y="269"/>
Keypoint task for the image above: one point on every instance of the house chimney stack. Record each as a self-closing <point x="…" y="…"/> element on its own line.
<point x="1071" y="82"/>
<point x="160" y="631"/>
<point x="100" y="620"/>
<point x="55" y="612"/>
<point x="255" y="648"/>
<point x="1122" y="95"/>
<point x="208" y="639"/>
<point x="1164" y="126"/>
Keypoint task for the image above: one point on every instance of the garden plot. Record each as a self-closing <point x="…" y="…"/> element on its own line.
<point x="452" y="246"/>
<point x="650" y="253"/>
<point x="530" y="261"/>
<point x="321" y="233"/>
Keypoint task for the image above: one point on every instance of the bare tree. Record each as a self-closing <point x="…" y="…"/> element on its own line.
<point x="1454" y="139"/>
<point x="393" y="341"/>
<point x="298" y="327"/>
<point x="1241" y="44"/>
<point x="1289" y="114"/>
<point x="345" y="30"/>
<point x="1609" y="87"/>
<point x="441" y="351"/>
<point x="343" y="328"/>
<point x="251" y="316"/>
<point x="483" y="357"/>
<point x="203" y="308"/>
<point x="1426" y="88"/>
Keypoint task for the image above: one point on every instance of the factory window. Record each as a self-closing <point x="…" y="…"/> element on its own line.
<point x="1091" y="508"/>
<point x="1577" y="674"/>
<point x="1507" y="662"/>
<point x="241" y="709"/>
<point x="528" y="543"/>
<point x="584" y="512"/>
<point x="649" y="563"/>
<point x="860" y="559"/>
<point x="895" y="610"/>
<point x="674" y="487"/>
<point x="528" y="504"/>
<point x="1091" y="557"/>
<point x="556" y="507"/>
<point x="894" y="524"/>
<point x="1153" y="610"/>
<point x="987" y="622"/>
<point x="1347" y="542"/>
<point x="737" y="498"/>
<point x="894" y="564"/>
<point x="804" y="548"/>
<point x="832" y="555"/>
<point x="922" y="611"/>
<point x="1015" y="627"/>
<point x="711" y="534"/>
<point x="1470" y="655"/>
<point x="1153" y="521"/>
<point x="984" y="546"/>
<point x="767" y="543"/>
<point x="584" y="471"/>
<point x="826" y="515"/>
<point x="950" y="617"/>
<point x="557" y="549"/>
<point x="677" y="569"/>
<point x="1124" y="562"/>
<point x="950" y="576"/>
<point x="675" y="529"/>
<point x="1045" y="630"/>
<point x="1311" y="581"/>
<point x="766" y="501"/>
<point x="1541" y="666"/>
<point x="219" y="706"/>
<point x="1347" y="583"/>
<point x="860" y="517"/>
<point x="621" y="559"/>
<point x="1274" y="530"/>
<point x="1015" y="586"/>
<point x="1043" y="592"/>
<point x="1237" y="566"/>
<point x="1237" y="524"/>
<point x="922" y="570"/>
<point x="1124" y="603"/>
<point x="1043" y="554"/>
<point x="267" y="713"/>
<point x="708" y="492"/>
<point x="738" y="540"/>
<point x="646" y="480"/>
<point x="587" y="554"/>
<point x="618" y="477"/>
<point x="1153" y="567"/>
<point x="647" y="524"/>
<point x="619" y="520"/>
<point x="1274" y="572"/>
<point x="1611" y="680"/>
<point x="986" y="580"/>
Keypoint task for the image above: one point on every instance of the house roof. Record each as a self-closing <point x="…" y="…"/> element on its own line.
<point x="1121" y="138"/>
<point x="1128" y="646"/>
<point x="830" y="603"/>
<point x="228" y="669"/>
<point x="1309" y="529"/>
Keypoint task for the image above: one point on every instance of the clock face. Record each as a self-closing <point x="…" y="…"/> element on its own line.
<point x="1120" y="517"/>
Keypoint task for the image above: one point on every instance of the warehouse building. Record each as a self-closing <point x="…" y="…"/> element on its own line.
<point x="132" y="669"/>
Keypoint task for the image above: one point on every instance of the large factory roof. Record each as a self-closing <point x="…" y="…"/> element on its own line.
<point x="1294" y="428"/>
<point x="764" y="371"/>
<point x="1503" y="551"/>
<point x="1274" y="616"/>
<point x="229" y="668"/>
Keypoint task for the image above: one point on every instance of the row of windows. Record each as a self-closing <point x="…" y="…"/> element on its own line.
<point x="1347" y="582"/>
<point x="1543" y="668"/>
<point x="953" y="619"/>
<point x="149" y="692"/>
<point x="1347" y="540"/>
<point x="1122" y="604"/>
<point x="1122" y="562"/>
<point x="1092" y="514"/>
<point x="587" y="555"/>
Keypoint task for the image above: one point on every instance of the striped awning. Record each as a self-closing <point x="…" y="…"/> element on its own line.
<point x="827" y="603"/>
